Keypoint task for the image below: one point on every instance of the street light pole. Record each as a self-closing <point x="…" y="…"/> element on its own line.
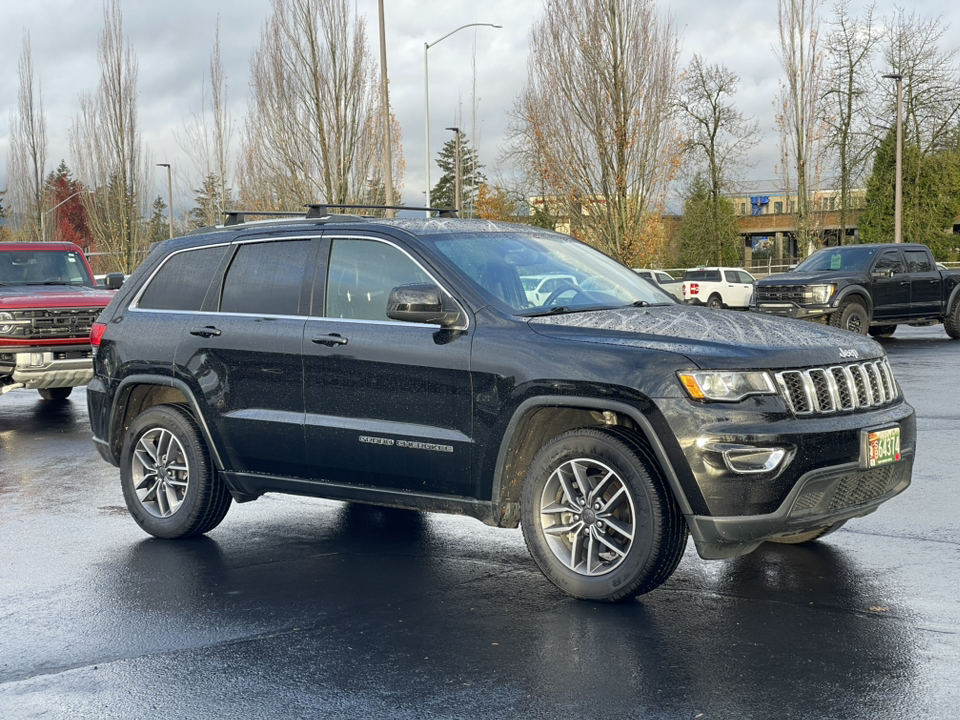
<point x="456" y="171"/>
<point x="169" y="193"/>
<point x="385" y="102"/>
<point x="898" y="191"/>
<point x="426" y="97"/>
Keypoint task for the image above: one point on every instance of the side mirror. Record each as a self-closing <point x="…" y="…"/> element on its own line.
<point x="887" y="273"/>
<point x="421" y="303"/>
<point x="113" y="280"/>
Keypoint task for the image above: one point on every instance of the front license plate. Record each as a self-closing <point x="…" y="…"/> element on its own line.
<point x="880" y="447"/>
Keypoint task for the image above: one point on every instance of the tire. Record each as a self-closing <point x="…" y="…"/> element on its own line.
<point x="851" y="316"/>
<point x="715" y="301"/>
<point x="882" y="331"/>
<point x="164" y="450"/>
<point x="806" y="537"/>
<point x="951" y="322"/>
<point x="626" y="534"/>
<point x="61" y="393"/>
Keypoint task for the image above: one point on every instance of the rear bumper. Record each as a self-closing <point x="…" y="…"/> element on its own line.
<point x="49" y="368"/>
<point x="820" y="498"/>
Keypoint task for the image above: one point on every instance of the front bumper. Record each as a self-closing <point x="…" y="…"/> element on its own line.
<point x="821" y="498"/>
<point x="54" y="368"/>
<point x="793" y="310"/>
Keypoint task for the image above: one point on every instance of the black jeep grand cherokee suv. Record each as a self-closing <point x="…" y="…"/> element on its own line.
<point x="402" y="363"/>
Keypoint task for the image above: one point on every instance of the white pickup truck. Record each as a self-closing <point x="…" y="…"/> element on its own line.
<point x="718" y="287"/>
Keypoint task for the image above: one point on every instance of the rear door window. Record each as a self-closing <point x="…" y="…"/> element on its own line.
<point x="266" y="278"/>
<point x="918" y="261"/>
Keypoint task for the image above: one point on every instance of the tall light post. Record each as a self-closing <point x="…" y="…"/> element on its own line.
<point x="385" y="102"/>
<point x="456" y="170"/>
<point x="169" y="193"/>
<point x="426" y="95"/>
<point x="898" y="191"/>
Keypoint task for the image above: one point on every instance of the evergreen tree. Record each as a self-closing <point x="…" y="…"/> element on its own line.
<point x="930" y="195"/>
<point x="708" y="229"/>
<point x="158" y="229"/>
<point x="68" y="221"/>
<point x="212" y="201"/>
<point x="443" y="194"/>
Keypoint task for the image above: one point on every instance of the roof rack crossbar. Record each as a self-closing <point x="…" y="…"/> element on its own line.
<point x="321" y="210"/>
<point x="238" y="217"/>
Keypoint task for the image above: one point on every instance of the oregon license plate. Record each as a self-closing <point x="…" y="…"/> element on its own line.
<point x="880" y="447"/>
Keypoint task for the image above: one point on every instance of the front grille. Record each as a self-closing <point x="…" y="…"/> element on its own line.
<point x="50" y="323"/>
<point x="839" y="388"/>
<point x="780" y="293"/>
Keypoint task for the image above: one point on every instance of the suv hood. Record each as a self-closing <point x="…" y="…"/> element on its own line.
<point x="795" y="278"/>
<point x="716" y="339"/>
<point x="53" y="296"/>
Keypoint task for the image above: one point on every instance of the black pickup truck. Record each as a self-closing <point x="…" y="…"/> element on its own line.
<point x="866" y="289"/>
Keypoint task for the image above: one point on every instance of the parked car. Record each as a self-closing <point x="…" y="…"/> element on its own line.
<point x="539" y="288"/>
<point x="399" y="362"/>
<point x="868" y="288"/>
<point x="718" y="287"/>
<point x="664" y="279"/>
<point x="48" y="302"/>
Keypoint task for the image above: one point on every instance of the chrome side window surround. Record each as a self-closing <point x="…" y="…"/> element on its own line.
<point x="135" y="303"/>
<point x="422" y="269"/>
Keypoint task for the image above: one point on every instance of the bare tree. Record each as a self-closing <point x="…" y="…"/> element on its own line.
<point x="313" y="130"/>
<point x="802" y="148"/>
<point x="847" y="99"/>
<point x="206" y="140"/>
<point x="716" y="139"/>
<point x="106" y="148"/>
<point x="28" y="153"/>
<point x="595" y="119"/>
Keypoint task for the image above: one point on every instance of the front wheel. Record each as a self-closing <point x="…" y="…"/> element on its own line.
<point x="61" y="393"/>
<point x="951" y="322"/>
<point x="598" y="518"/>
<point x="169" y="484"/>
<point x="851" y="316"/>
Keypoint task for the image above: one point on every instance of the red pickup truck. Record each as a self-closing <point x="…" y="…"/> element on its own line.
<point x="48" y="301"/>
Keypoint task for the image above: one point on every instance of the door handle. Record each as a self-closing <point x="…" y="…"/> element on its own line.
<point x="331" y="340"/>
<point x="206" y="332"/>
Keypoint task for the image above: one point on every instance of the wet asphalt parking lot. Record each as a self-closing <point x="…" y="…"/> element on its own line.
<point x="303" y="608"/>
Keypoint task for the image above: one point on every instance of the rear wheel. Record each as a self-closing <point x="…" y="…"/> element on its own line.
<point x="169" y="484"/>
<point x="61" y="393"/>
<point x="598" y="517"/>
<point x="882" y="331"/>
<point x="715" y="301"/>
<point x="851" y="316"/>
<point x="806" y="537"/>
<point x="951" y="323"/>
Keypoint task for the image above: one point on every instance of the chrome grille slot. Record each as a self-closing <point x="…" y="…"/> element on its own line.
<point x="839" y="388"/>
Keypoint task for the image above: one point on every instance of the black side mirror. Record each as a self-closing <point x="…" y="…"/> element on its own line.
<point x="113" y="280"/>
<point x="421" y="303"/>
<point x="885" y="273"/>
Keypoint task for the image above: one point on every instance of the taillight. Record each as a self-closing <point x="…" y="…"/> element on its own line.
<point x="96" y="333"/>
<point x="694" y="288"/>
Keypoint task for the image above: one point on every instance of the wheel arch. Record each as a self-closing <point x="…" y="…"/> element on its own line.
<point x="538" y="419"/>
<point x="858" y="294"/>
<point x="138" y="393"/>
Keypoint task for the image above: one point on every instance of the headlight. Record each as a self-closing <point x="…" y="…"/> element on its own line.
<point x="818" y="294"/>
<point x="726" y="386"/>
<point x="6" y="329"/>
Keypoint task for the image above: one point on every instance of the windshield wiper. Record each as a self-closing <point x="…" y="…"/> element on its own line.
<point x="50" y="282"/>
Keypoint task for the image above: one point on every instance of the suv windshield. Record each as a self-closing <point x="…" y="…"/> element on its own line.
<point x="540" y="273"/>
<point x="39" y="267"/>
<point x="840" y="259"/>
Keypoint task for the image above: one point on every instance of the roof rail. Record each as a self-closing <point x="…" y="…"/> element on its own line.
<point x="316" y="211"/>
<point x="319" y="210"/>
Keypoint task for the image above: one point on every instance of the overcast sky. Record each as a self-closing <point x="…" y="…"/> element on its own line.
<point x="173" y="41"/>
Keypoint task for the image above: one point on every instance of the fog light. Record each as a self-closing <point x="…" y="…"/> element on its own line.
<point x="747" y="459"/>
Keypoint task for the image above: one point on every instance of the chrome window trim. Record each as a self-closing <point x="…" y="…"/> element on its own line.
<point x="463" y="312"/>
